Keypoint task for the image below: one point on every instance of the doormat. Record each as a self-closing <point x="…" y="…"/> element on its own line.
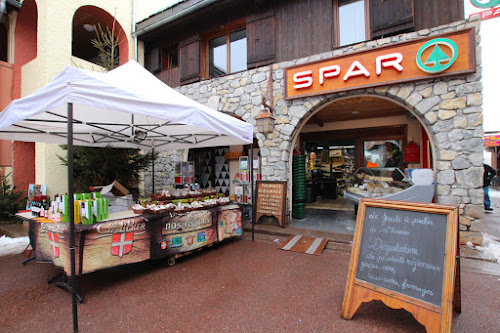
<point x="304" y="244"/>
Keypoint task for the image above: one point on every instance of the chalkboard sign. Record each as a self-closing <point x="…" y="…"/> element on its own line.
<point x="271" y="200"/>
<point x="395" y="252"/>
<point x="404" y="254"/>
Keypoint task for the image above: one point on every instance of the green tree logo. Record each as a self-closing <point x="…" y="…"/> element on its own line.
<point x="485" y="3"/>
<point x="438" y="61"/>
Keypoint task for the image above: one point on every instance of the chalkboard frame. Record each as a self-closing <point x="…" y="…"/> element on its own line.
<point x="434" y="318"/>
<point x="284" y="184"/>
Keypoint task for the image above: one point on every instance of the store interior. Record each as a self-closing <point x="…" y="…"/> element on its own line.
<point x="354" y="147"/>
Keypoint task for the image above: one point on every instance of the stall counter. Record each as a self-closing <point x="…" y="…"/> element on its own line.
<point x="127" y="238"/>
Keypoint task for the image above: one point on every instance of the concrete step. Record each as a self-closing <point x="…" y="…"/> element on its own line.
<point x="338" y="243"/>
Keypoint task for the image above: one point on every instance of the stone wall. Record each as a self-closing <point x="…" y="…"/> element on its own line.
<point x="449" y="108"/>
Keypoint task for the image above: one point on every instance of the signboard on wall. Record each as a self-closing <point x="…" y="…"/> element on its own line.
<point x="419" y="59"/>
<point x="411" y="153"/>
<point x="487" y="14"/>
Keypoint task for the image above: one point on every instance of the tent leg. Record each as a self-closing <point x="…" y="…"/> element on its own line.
<point x="71" y="217"/>
<point x="251" y="177"/>
<point x="153" y="169"/>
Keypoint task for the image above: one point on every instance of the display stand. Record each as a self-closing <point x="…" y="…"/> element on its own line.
<point x="184" y="173"/>
<point x="243" y="190"/>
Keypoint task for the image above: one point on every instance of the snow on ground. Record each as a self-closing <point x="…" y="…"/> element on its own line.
<point x="10" y="246"/>
<point x="489" y="245"/>
<point x="494" y="193"/>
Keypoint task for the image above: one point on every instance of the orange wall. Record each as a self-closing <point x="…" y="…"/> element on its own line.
<point x="6" y="77"/>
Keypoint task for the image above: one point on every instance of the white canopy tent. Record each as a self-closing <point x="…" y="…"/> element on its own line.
<point x="127" y="107"/>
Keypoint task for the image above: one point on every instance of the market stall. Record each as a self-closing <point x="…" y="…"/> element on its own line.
<point x="126" y="237"/>
<point x="126" y="107"/>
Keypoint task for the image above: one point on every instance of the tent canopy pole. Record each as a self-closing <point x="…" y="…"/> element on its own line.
<point x="251" y="177"/>
<point x="71" y="207"/>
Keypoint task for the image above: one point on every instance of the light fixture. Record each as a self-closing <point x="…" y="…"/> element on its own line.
<point x="355" y="112"/>
<point x="139" y="136"/>
<point x="265" y="120"/>
<point x="89" y="27"/>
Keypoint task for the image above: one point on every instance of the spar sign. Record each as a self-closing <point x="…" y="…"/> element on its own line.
<point x="485" y="3"/>
<point x="420" y="59"/>
<point x="487" y="14"/>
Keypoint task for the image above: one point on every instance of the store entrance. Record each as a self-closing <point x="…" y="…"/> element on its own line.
<point x="334" y="147"/>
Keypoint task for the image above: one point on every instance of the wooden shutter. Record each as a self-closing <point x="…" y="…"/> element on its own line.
<point x="261" y="39"/>
<point x="190" y="60"/>
<point x="155" y="60"/>
<point x="390" y="17"/>
<point x="431" y="13"/>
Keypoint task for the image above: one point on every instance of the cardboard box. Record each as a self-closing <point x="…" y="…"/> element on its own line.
<point x="97" y="210"/>
<point x="87" y="216"/>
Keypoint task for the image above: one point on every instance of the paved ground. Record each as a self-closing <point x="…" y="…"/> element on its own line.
<point x="240" y="286"/>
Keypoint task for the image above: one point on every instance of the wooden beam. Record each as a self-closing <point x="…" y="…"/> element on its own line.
<point x="316" y="120"/>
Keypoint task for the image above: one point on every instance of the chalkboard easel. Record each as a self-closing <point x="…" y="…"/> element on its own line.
<point x="406" y="254"/>
<point x="270" y="200"/>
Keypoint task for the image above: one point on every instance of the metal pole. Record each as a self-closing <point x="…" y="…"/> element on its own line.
<point x="253" y="198"/>
<point x="153" y="168"/>
<point x="71" y="216"/>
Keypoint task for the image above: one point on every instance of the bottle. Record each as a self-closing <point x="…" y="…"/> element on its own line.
<point x="42" y="209"/>
<point x="46" y="208"/>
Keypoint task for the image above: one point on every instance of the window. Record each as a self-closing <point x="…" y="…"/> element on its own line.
<point x="223" y="60"/>
<point x="3" y="42"/>
<point x="170" y="58"/>
<point x="352" y="22"/>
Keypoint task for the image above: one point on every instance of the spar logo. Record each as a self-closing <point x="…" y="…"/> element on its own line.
<point x="485" y="3"/>
<point x="438" y="61"/>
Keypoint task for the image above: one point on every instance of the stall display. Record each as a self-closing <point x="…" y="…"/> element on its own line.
<point x="180" y="201"/>
<point x="243" y="186"/>
<point x="387" y="183"/>
<point x="126" y="237"/>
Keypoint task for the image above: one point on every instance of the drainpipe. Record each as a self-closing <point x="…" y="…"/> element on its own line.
<point x="133" y="30"/>
<point x="199" y="5"/>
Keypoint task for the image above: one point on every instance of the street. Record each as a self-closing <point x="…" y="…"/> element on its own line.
<point x="239" y="286"/>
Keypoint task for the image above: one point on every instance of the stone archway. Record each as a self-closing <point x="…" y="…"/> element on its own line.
<point x="449" y="111"/>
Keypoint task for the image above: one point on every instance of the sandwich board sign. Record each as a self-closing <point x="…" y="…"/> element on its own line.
<point x="406" y="254"/>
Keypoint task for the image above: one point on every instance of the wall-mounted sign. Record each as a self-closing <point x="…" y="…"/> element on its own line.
<point x="492" y="140"/>
<point x="485" y="3"/>
<point x="487" y="14"/>
<point x="411" y="153"/>
<point x="421" y="59"/>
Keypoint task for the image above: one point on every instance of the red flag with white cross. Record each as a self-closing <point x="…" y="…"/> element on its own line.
<point x="54" y="244"/>
<point x="121" y="243"/>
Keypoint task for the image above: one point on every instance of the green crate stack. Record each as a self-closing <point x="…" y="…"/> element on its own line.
<point x="299" y="186"/>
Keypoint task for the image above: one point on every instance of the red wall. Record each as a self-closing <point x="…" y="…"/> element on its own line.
<point x="24" y="166"/>
<point x="26" y="50"/>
